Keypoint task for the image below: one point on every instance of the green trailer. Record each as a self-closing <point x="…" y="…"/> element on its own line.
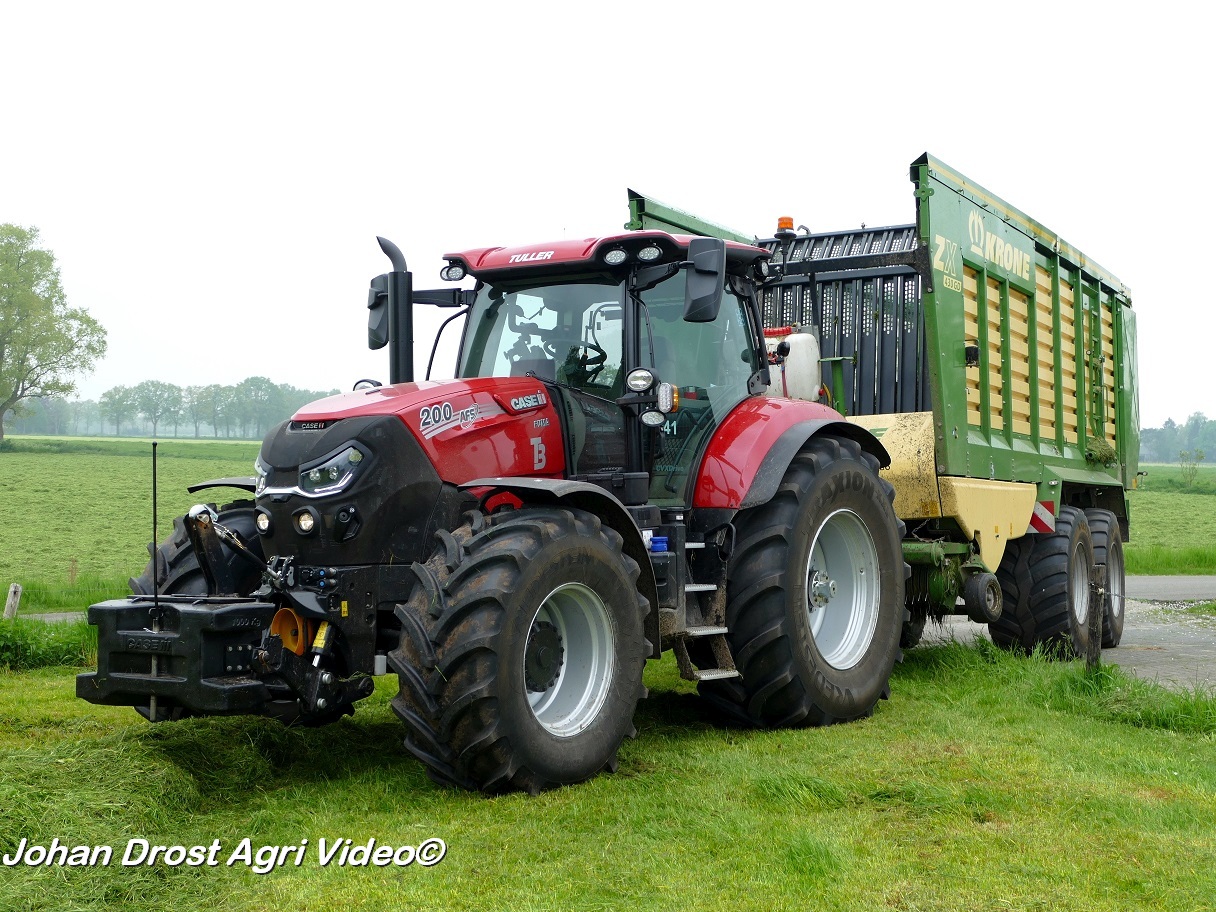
<point x="997" y="364"/>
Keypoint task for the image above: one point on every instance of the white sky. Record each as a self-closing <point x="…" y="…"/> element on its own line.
<point x="212" y="176"/>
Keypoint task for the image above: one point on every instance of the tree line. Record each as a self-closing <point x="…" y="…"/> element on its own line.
<point x="1173" y="442"/>
<point x="153" y="408"/>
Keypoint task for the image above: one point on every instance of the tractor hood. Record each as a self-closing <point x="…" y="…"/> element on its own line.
<point x="477" y="428"/>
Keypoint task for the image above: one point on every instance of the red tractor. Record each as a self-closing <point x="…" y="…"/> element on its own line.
<point x="605" y="479"/>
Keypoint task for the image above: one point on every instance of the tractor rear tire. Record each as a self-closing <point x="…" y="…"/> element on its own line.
<point x="815" y="592"/>
<point x="1108" y="553"/>
<point x="1045" y="586"/>
<point x="177" y="568"/>
<point x="521" y="652"/>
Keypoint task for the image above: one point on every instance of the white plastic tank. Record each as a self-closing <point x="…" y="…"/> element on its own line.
<point x="797" y="376"/>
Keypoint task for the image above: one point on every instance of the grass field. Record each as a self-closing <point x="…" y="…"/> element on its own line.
<point x="76" y="514"/>
<point x="1173" y="527"/>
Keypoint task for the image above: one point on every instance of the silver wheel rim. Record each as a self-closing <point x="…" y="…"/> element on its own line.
<point x="843" y="589"/>
<point x="1080" y="585"/>
<point x="1114" y="581"/>
<point x="573" y="698"/>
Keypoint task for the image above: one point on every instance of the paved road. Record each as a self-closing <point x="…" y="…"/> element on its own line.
<point x="1171" y="588"/>
<point x="1161" y="641"/>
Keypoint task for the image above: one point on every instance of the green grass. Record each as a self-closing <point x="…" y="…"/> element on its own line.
<point x="1165" y="477"/>
<point x="1171" y="533"/>
<point x="26" y="644"/>
<point x="987" y="782"/>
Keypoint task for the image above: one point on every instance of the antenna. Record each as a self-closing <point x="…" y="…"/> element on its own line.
<point x="155" y="585"/>
<point x="155" y="538"/>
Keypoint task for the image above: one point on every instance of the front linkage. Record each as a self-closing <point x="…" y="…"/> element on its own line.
<point x="274" y="652"/>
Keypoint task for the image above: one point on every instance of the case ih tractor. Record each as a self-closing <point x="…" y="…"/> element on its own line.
<point x="627" y="462"/>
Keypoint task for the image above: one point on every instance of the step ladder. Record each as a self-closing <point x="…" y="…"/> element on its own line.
<point x="713" y="634"/>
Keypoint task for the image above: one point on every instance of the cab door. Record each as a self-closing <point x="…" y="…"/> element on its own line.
<point x="710" y="364"/>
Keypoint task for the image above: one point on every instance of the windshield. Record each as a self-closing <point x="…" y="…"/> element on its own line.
<point x="573" y="333"/>
<point x="568" y="332"/>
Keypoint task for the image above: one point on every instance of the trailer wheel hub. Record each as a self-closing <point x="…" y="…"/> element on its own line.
<point x="543" y="657"/>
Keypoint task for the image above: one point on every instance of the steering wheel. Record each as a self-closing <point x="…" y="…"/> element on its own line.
<point x="579" y="367"/>
<point x="560" y="350"/>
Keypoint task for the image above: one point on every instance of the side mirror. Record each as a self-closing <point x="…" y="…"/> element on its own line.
<point x="706" y="279"/>
<point x="377" y="313"/>
<point x="390" y="318"/>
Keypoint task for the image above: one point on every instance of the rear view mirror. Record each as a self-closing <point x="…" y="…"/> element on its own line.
<point x="706" y="279"/>
<point x="377" y="313"/>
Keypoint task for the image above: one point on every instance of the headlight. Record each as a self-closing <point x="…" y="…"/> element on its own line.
<point x="639" y="380"/>
<point x="262" y="471"/>
<point x="332" y="475"/>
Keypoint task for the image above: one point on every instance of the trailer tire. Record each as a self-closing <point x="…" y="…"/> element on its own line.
<point x="177" y="568"/>
<point x="1045" y="586"/>
<point x="521" y="652"/>
<point x="828" y="535"/>
<point x="1108" y="553"/>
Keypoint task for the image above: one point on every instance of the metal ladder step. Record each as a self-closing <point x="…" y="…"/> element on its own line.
<point x="690" y="546"/>
<point x="700" y="587"/>
<point x="715" y="674"/>
<point x="705" y="631"/>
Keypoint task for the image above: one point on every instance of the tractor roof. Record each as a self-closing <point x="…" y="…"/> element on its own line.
<point x="559" y="256"/>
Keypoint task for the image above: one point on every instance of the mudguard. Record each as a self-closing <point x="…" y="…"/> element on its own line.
<point x="245" y="484"/>
<point x="750" y="451"/>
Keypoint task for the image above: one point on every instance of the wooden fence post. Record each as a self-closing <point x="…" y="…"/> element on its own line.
<point x="14" y="599"/>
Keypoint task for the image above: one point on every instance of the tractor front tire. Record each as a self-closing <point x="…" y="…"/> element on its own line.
<point x="521" y="652"/>
<point x="815" y="596"/>
<point x="1045" y="589"/>
<point x="1108" y="553"/>
<point x="176" y="566"/>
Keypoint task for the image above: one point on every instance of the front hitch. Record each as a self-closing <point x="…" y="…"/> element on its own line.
<point x="320" y="690"/>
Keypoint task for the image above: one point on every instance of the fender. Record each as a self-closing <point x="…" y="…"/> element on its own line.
<point x="752" y="448"/>
<point x="594" y="499"/>
<point x="245" y="484"/>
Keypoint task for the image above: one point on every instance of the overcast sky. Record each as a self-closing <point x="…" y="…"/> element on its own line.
<point x="212" y="176"/>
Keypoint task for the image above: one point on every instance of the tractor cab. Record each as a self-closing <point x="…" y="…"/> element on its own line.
<point x="646" y="342"/>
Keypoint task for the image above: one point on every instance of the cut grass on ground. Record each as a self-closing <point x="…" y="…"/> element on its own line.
<point x="988" y="781"/>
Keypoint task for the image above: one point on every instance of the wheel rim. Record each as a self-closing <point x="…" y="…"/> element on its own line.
<point x="1114" y="580"/>
<point x="568" y="660"/>
<point x="1080" y="585"/>
<point x="843" y="589"/>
